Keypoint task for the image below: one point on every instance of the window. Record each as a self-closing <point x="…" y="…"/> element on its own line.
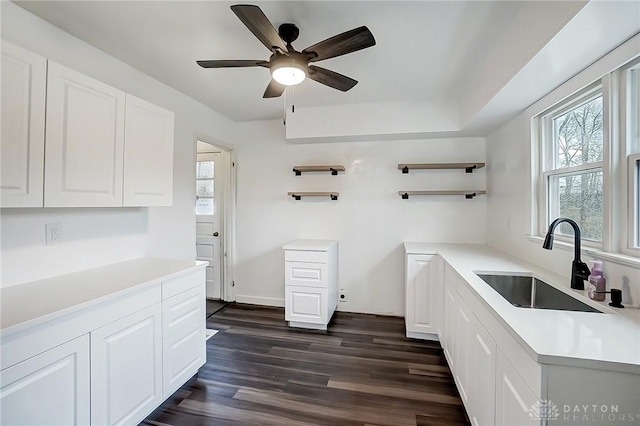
<point x="589" y="163"/>
<point x="204" y="187"/>
<point x="574" y="179"/>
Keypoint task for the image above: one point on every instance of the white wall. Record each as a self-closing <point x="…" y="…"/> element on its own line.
<point x="94" y="237"/>
<point x="369" y="219"/>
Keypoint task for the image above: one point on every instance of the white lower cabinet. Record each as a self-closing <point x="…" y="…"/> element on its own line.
<point x="51" y="388"/>
<point x="462" y="355"/>
<point x="482" y="376"/>
<point x="183" y="353"/>
<point x="448" y="334"/>
<point x="423" y="296"/>
<point x="126" y="368"/>
<point x="513" y="398"/>
<point x="311" y="282"/>
<point x="108" y="363"/>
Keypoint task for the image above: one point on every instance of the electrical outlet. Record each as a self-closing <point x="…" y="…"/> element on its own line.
<point x="53" y="233"/>
<point x="342" y="296"/>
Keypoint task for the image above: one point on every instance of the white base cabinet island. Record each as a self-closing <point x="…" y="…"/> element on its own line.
<point x="311" y="282"/>
<point x="105" y="346"/>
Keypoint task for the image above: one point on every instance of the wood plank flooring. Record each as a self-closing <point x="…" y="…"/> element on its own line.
<point x="362" y="371"/>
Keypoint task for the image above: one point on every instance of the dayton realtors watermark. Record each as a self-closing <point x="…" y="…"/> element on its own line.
<point x="581" y="413"/>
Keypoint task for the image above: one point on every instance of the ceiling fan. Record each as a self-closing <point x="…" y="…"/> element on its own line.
<point x="288" y="66"/>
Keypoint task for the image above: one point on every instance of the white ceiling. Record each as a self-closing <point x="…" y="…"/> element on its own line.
<point x="426" y="50"/>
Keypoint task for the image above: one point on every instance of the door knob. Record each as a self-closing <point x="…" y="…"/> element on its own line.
<point x="215" y="234"/>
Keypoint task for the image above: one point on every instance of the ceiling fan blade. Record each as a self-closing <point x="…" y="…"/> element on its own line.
<point x="347" y="42"/>
<point x="232" y="64"/>
<point x="331" y="78"/>
<point x="274" y="89"/>
<point x="256" y="21"/>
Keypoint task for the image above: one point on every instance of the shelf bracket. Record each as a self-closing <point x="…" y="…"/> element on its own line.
<point x="296" y="197"/>
<point x="469" y="169"/>
<point x="334" y="197"/>
<point x="405" y="196"/>
<point x="334" y="172"/>
<point x="405" y="170"/>
<point x="469" y="196"/>
<point x="297" y="172"/>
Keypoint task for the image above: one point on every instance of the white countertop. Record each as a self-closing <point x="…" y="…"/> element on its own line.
<point x="310" y="245"/>
<point x="28" y="304"/>
<point x="608" y="341"/>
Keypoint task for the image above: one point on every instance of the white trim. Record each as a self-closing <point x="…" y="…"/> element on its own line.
<point x="265" y="301"/>
<point x="633" y="205"/>
<point x="613" y="60"/>
<point x="618" y="258"/>
<point x="228" y="214"/>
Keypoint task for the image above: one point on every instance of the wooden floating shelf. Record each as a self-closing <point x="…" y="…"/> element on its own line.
<point x="468" y="167"/>
<point x="468" y="194"/>
<point x="333" y="168"/>
<point x="298" y="195"/>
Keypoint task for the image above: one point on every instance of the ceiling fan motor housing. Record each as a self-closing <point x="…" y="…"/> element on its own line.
<point x="288" y="32"/>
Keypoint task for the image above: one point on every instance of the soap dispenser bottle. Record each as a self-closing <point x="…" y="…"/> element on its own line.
<point x="597" y="282"/>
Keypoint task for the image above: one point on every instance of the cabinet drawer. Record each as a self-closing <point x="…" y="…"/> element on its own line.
<point x="183" y="354"/>
<point x="306" y="274"/>
<point x="185" y="310"/>
<point x="305" y="256"/>
<point x="184" y="282"/>
<point x="304" y="304"/>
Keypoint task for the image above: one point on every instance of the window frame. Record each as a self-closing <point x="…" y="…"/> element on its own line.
<point x="618" y="76"/>
<point x="633" y="204"/>
<point x="202" y="158"/>
<point x="548" y="168"/>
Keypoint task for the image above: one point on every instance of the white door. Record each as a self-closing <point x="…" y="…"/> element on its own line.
<point x="208" y="213"/>
<point x="126" y="368"/>
<point x="51" y="388"/>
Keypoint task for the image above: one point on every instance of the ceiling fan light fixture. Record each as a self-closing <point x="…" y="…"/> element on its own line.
<point x="288" y="72"/>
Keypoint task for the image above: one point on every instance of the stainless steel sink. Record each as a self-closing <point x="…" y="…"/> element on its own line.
<point x="529" y="292"/>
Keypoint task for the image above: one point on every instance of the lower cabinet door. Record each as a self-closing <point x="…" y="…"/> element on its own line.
<point x="463" y="335"/>
<point x="51" y="388"/>
<point x="183" y="354"/>
<point x="482" y="377"/>
<point x="306" y="304"/>
<point x="126" y="368"/>
<point x="449" y="332"/>
<point x="420" y="293"/>
<point x="515" y="402"/>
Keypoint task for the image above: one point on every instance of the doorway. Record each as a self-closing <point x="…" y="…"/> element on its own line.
<point x="214" y="210"/>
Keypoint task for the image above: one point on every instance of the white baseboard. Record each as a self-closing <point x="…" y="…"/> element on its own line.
<point x="267" y="301"/>
<point x="210" y="333"/>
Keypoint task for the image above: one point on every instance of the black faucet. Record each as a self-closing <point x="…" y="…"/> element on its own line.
<point x="579" y="270"/>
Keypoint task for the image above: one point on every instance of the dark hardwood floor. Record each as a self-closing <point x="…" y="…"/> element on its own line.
<point x="362" y="371"/>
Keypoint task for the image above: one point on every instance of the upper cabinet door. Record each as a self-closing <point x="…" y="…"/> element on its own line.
<point x="24" y="78"/>
<point x="148" y="154"/>
<point x="85" y="140"/>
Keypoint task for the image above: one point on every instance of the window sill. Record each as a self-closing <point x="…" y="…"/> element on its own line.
<point x="619" y="258"/>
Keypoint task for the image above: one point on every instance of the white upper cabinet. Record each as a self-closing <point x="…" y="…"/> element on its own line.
<point x="85" y="141"/>
<point x="24" y="82"/>
<point x="148" y="154"/>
